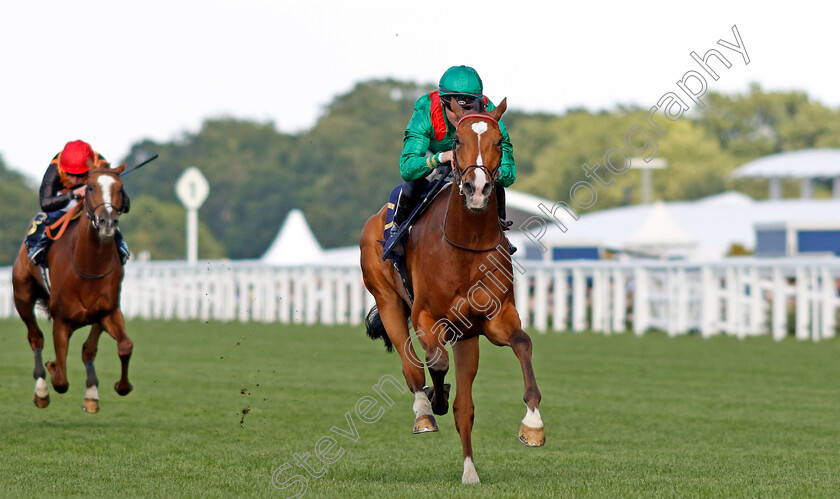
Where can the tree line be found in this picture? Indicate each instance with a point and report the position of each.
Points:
(341, 170)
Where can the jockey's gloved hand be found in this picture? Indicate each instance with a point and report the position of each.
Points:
(443, 170)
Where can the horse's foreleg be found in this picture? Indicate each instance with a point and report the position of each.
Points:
(532, 431)
(115, 325)
(89, 349)
(466, 366)
(58, 368)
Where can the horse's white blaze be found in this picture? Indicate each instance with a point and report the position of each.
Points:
(478, 200)
(479, 128)
(532, 419)
(41, 388)
(92, 393)
(470, 475)
(105, 182)
(422, 406)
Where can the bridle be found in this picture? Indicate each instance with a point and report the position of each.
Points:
(95, 220)
(459, 174)
(91, 212)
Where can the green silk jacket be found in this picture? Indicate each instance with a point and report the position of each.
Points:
(429, 130)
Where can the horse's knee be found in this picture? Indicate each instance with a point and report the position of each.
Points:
(438, 361)
(125, 347)
(520, 342)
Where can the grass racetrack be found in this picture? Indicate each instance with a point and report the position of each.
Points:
(216, 408)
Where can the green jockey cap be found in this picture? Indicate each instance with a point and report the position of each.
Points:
(461, 80)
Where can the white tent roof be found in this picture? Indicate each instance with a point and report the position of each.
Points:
(716, 222)
(295, 243)
(659, 229)
(805, 163)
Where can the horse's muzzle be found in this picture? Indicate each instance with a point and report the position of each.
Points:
(476, 200)
(107, 225)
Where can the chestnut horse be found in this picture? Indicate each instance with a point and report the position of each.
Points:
(83, 289)
(461, 274)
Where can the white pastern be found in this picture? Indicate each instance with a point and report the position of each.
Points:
(105, 182)
(422, 406)
(532, 419)
(470, 475)
(41, 388)
(92, 393)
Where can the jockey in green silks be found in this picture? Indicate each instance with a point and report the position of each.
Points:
(427, 144)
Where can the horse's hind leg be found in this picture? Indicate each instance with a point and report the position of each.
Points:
(25, 305)
(89, 349)
(115, 325)
(466, 366)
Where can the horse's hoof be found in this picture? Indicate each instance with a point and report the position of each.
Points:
(532, 437)
(424, 424)
(61, 388)
(41, 403)
(50, 365)
(90, 405)
(123, 391)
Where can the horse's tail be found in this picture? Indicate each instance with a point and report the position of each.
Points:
(375, 328)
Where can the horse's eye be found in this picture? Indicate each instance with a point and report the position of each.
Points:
(89, 188)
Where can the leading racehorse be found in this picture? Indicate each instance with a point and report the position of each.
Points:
(462, 276)
(83, 289)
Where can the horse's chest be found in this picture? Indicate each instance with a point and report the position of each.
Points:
(84, 306)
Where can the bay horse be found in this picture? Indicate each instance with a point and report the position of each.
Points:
(458, 264)
(83, 289)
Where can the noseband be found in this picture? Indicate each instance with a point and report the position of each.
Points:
(458, 173)
(91, 212)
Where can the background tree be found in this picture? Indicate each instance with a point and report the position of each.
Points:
(157, 227)
(18, 204)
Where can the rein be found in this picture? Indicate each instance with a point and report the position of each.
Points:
(62, 222)
(81, 272)
(458, 175)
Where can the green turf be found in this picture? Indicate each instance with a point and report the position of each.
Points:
(625, 417)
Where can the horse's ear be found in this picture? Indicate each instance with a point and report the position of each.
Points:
(91, 165)
(500, 110)
(454, 112)
(120, 168)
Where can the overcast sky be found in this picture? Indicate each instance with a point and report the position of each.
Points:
(113, 73)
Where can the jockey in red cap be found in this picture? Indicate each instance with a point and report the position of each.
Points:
(62, 188)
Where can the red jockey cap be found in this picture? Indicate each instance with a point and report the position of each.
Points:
(75, 156)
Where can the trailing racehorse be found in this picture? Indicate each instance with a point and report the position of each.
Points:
(83, 289)
(461, 273)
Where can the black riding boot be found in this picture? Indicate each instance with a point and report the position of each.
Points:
(36, 239)
(122, 248)
(409, 196)
(503, 221)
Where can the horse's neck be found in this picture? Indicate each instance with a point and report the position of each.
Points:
(463, 227)
(89, 250)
